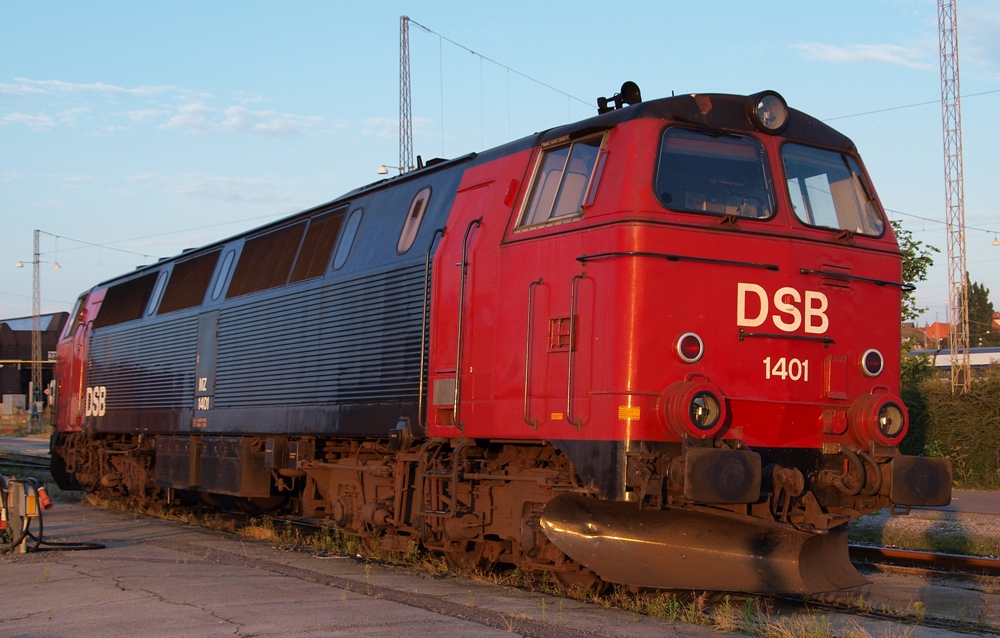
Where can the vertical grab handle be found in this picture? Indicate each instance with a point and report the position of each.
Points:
(461, 320)
(423, 329)
(578, 423)
(527, 360)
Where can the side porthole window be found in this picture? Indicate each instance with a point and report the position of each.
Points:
(413, 218)
(220, 283)
(347, 239)
(154, 299)
(561, 182)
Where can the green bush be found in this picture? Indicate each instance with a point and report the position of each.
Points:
(964, 428)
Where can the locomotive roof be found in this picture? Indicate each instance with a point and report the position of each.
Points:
(708, 110)
(717, 111)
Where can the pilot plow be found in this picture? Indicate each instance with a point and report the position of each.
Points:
(692, 549)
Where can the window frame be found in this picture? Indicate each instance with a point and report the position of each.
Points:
(324, 217)
(181, 269)
(412, 223)
(157, 295)
(228, 260)
(76, 315)
(359, 213)
(766, 172)
(861, 175)
(299, 224)
(586, 200)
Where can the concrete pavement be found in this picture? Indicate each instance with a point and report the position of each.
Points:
(163, 578)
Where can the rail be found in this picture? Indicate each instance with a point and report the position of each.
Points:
(952, 563)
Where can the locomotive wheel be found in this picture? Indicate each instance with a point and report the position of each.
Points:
(466, 555)
(581, 580)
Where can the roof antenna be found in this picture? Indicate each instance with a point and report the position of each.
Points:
(628, 95)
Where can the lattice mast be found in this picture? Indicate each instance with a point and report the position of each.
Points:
(36, 326)
(951, 117)
(405, 106)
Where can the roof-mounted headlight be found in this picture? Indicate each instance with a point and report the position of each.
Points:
(767, 111)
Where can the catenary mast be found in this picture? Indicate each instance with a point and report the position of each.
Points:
(36, 327)
(405, 111)
(951, 116)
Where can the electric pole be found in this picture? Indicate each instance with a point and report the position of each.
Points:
(405, 112)
(951, 117)
(36, 326)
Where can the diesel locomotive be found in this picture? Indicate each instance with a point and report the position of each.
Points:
(657, 347)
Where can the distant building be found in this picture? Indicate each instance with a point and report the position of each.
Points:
(979, 358)
(935, 333)
(15, 350)
(914, 336)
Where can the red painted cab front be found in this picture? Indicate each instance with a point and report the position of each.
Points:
(634, 288)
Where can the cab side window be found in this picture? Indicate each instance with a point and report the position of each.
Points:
(561, 182)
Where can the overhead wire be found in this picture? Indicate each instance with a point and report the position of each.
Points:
(500, 64)
(906, 106)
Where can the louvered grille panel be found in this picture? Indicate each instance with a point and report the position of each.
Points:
(348, 341)
(146, 366)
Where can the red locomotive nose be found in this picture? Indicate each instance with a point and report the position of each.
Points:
(694, 407)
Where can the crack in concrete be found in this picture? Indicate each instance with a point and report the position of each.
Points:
(117, 580)
(162, 599)
(518, 625)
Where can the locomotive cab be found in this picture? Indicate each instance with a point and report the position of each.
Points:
(700, 308)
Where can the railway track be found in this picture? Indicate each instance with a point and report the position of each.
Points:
(25, 461)
(950, 563)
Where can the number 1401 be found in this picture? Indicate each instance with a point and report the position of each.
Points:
(783, 368)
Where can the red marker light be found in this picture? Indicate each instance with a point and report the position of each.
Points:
(872, 362)
(690, 347)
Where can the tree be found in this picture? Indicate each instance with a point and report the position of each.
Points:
(917, 258)
(981, 331)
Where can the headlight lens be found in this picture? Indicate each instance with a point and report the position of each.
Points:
(891, 420)
(768, 111)
(704, 410)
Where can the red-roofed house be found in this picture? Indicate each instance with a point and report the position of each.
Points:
(936, 332)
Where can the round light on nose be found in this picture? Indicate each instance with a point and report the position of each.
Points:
(891, 420)
(878, 418)
(690, 347)
(872, 362)
(694, 407)
(704, 410)
(768, 111)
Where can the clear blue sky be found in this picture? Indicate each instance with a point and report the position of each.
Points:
(154, 127)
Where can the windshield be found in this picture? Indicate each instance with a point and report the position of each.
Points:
(826, 189)
(725, 174)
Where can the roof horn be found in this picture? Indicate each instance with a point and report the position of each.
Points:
(629, 95)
